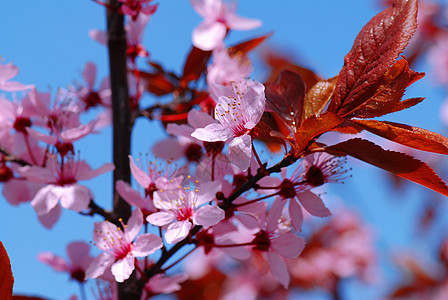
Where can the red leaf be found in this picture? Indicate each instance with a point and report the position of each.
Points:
(376, 47)
(285, 97)
(387, 98)
(410, 136)
(398, 163)
(280, 61)
(246, 46)
(317, 98)
(195, 65)
(6, 278)
(313, 127)
(157, 83)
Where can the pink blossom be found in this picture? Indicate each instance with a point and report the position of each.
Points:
(314, 171)
(276, 241)
(61, 179)
(218, 18)
(88, 95)
(183, 207)
(240, 107)
(79, 256)
(119, 247)
(133, 8)
(134, 33)
(226, 68)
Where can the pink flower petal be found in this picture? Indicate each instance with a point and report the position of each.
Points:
(57, 263)
(134, 225)
(8, 71)
(161, 284)
(49, 139)
(288, 245)
(45, 200)
(213, 133)
(89, 74)
(296, 214)
(36, 174)
(208, 215)
(278, 268)
(177, 231)
(123, 268)
(169, 149)
(74, 197)
(180, 130)
(99, 36)
(99, 265)
(274, 214)
(73, 134)
(79, 254)
(130, 195)
(199, 119)
(313, 204)
(208, 35)
(207, 192)
(140, 176)
(160, 218)
(240, 151)
(87, 174)
(146, 244)
(49, 219)
(236, 22)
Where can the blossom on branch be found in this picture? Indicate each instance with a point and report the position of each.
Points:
(181, 208)
(219, 17)
(240, 107)
(120, 249)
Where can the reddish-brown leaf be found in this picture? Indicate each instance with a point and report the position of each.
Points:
(6, 278)
(376, 47)
(410, 136)
(285, 96)
(157, 83)
(271, 122)
(280, 61)
(195, 65)
(387, 98)
(398, 163)
(317, 98)
(313, 127)
(246, 46)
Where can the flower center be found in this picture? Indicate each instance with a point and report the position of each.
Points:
(314, 176)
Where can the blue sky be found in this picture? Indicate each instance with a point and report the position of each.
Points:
(48, 41)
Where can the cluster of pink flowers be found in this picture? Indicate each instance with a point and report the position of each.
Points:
(221, 199)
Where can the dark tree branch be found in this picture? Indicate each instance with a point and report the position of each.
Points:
(121, 115)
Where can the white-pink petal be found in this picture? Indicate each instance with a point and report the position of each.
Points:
(146, 244)
(134, 225)
(278, 268)
(236, 22)
(57, 263)
(177, 231)
(140, 176)
(89, 74)
(49, 139)
(45, 200)
(288, 245)
(209, 35)
(296, 214)
(161, 218)
(313, 204)
(130, 195)
(99, 36)
(213, 133)
(123, 268)
(240, 151)
(49, 219)
(87, 173)
(74, 197)
(207, 192)
(8, 71)
(99, 264)
(208, 215)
